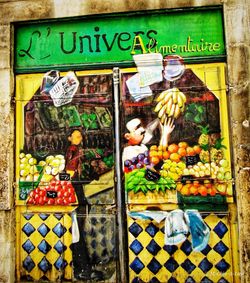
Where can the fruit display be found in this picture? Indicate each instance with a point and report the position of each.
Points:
(104, 117)
(52, 166)
(28, 169)
(170, 104)
(55, 193)
(204, 188)
(137, 181)
(89, 121)
(137, 162)
(172, 169)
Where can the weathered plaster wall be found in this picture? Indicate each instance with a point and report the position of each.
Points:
(237, 38)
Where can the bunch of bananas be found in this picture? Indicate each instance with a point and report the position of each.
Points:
(171, 103)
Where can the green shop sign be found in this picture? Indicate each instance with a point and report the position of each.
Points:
(113, 39)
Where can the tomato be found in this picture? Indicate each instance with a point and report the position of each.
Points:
(45, 199)
(72, 198)
(30, 201)
(42, 193)
(36, 197)
(71, 190)
(66, 194)
(58, 182)
(53, 183)
(51, 201)
(66, 201)
(36, 191)
(59, 201)
(41, 201)
(57, 188)
(31, 194)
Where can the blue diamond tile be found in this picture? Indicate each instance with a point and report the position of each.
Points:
(28, 264)
(60, 247)
(220, 229)
(221, 248)
(93, 244)
(104, 253)
(206, 280)
(28, 216)
(222, 280)
(44, 265)
(60, 263)
(58, 216)
(135, 229)
(188, 266)
(103, 230)
(172, 280)
(28, 229)
(93, 220)
(205, 265)
(154, 280)
(103, 220)
(136, 265)
(43, 229)
(190, 280)
(43, 216)
(222, 266)
(103, 242)
(136, 247)
(171, 264)
(154, 266)
(153, 247)
(136, 280)
(206, 250)
(59, 230)
(171, 249)
(152, 229)
(44, 247)
(186, 247)
(28, 246)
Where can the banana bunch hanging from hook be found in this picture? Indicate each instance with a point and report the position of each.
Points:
(171, 103)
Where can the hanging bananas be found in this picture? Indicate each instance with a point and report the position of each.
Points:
(171, 103)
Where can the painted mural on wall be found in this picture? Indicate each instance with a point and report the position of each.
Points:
(174, 137)
(65, 170)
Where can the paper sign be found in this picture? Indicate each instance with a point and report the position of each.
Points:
(64, 90)
(135, 90)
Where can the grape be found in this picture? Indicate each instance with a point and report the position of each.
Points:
(146, 153)
(139, 165)
(134, 160)
(141, 156)
(146, 161)
(131, 167)
(127, 163)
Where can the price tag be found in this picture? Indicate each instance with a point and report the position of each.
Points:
(191, 160)
(51, 194)
(152, 175)
(64, 176)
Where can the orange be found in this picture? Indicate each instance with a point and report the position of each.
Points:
(193, 190)
(182, 151)
(197, 149)
(155, 160)
(162, 147)
(183, 144)
(185, 190)
(190, 151)
(153, 153)
(165, 155)
(174, 157)
(179, 186)
(202, 190)
(159, 154)
(172, 148)
(153, 147)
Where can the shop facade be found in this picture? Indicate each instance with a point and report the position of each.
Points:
(125, 164)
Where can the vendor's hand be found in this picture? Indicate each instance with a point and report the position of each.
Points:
(166, 129)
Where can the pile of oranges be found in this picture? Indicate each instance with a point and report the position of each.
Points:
(174, 152)
(196, 188)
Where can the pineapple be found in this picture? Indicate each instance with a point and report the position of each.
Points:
(204, 137)
(216, 152)
(204, 144)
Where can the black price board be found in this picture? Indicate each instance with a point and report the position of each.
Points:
(191, 160)
(51, 194)
(64, 176)
(185, 178)
(152, 175)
